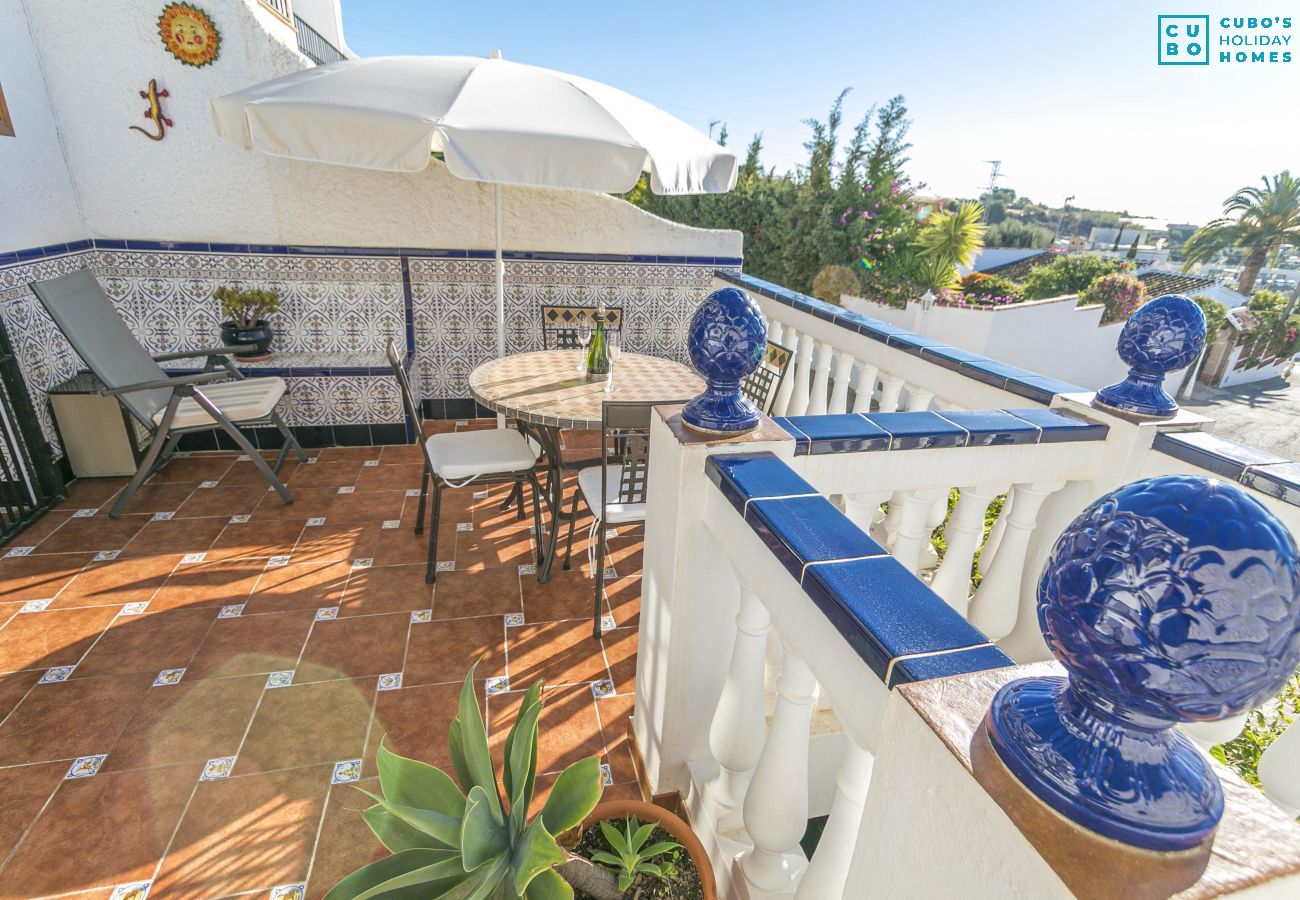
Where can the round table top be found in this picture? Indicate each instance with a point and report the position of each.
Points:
(545, 387)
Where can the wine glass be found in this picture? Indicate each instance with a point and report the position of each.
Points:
(615, 345)
(584, 331)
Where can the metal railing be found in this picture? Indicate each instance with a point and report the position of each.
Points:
(281, 8)
(315, 47)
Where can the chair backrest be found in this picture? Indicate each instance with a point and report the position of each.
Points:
(560, 324)
(764, 383)
(625, 438)
(404, 385)
(85, 315)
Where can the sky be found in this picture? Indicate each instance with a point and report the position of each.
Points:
(1068, 96)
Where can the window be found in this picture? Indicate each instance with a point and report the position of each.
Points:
(6, 124)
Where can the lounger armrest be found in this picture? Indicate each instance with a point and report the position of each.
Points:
(211, 351)
(179, 381)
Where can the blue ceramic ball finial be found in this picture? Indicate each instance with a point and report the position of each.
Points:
(1171, 599)
(1163, 336)
(726, 341)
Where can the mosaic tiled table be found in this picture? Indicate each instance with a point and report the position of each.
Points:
(545, 392)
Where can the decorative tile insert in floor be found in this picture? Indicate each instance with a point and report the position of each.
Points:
(192, 693)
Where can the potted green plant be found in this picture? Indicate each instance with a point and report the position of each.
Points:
(464, 836)
(247, 319)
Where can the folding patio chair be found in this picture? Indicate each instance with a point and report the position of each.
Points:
(169, 407)
(764, 383)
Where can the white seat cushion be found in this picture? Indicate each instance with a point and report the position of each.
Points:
(615, 513)
(466, 454)
(240, 401)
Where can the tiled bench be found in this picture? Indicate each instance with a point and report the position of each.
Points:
(900, 628)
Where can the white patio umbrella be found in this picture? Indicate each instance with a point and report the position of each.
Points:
(494, 121)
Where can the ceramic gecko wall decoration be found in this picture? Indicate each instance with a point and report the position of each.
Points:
(154, 113)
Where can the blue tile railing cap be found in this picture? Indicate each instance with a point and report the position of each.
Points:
(804, 532)
(744, 477)
(1213, 453)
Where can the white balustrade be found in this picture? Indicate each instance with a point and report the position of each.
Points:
(995, 533)
(736, 734)
(864, 387)
(863, 509)
(776, 804)
(1279, 770)
(962, 538)
(791, 338)
(839, 402)
(801, 385)
(996, 603)
(828, 871)
(891, 388)
(914, 513)
(821, 380)
(918, 399)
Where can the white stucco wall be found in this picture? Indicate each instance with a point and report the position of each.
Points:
(194, 186)
(38, 203)
(1052, 337)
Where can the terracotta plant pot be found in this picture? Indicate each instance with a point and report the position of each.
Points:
(609, 810)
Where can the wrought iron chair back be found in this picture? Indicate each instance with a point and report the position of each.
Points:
(560, 324)
(764, 383)
(625, 429)
(413, 410)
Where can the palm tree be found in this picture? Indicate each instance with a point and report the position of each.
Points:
(948, 241)
(1256, 220)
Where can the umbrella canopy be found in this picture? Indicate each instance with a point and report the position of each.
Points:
(494, 120)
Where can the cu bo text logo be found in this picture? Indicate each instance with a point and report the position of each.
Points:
(1183, 40)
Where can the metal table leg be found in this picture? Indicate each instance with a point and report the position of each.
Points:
(550, 440)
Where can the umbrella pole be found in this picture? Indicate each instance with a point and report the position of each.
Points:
(501, 292)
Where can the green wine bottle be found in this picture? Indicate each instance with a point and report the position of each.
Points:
(598, 350)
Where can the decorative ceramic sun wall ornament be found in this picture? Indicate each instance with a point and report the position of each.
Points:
(188, 33)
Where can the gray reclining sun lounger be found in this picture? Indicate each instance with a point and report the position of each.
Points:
(168, 407)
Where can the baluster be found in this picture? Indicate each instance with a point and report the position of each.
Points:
(828, 870)
(863, 508)
(781, 406)
(912, 533)
(774, 331)
(962, 536)
(1279, 770)
(864, 387)
(799, 398)
(888, 528)
(994, 607)
(890, 387)
(821, 380)
(995, 533)
(918, 399)
(776, 804)
(839, 402)
(736, 734)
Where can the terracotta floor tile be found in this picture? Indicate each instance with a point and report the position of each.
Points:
(367, 506)
(257, 539)
(251, 644)
(23, 792)
(336, 542)
(308, 503)
(623, 597)
(620, 650)
(348, 454)
(119, 824)
(346, 843)
(194, 468)
(117, 582)
(625, 555)
(55, 637)
(491, 592)
(13, 688)
(480, 552)
(308, 586)
(175, 536)
(402, 454)
(93, 534)
(305, 724)
(559, 652)
(614, 714)
(86, 493)
(219, 583)
(355, 646)
(568, 595)
(148, 643)
(444, 651)
(223, 500)
(245, 834)
(246, 472)
(402, 546)
(326, 475)
(74, 718)
(155, 498)
(569, 728)
(43, 527)
(390, 477)
(386, 589)
(413, 722)
(190, 722)
(24, 578)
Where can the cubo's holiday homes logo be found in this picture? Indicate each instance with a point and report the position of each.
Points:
(1185, 40)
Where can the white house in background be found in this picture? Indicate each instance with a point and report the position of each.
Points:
(1108, 238)
(990, 258)
(1238, 354)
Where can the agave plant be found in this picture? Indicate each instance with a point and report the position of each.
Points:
(460, 838)
(633, 856)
